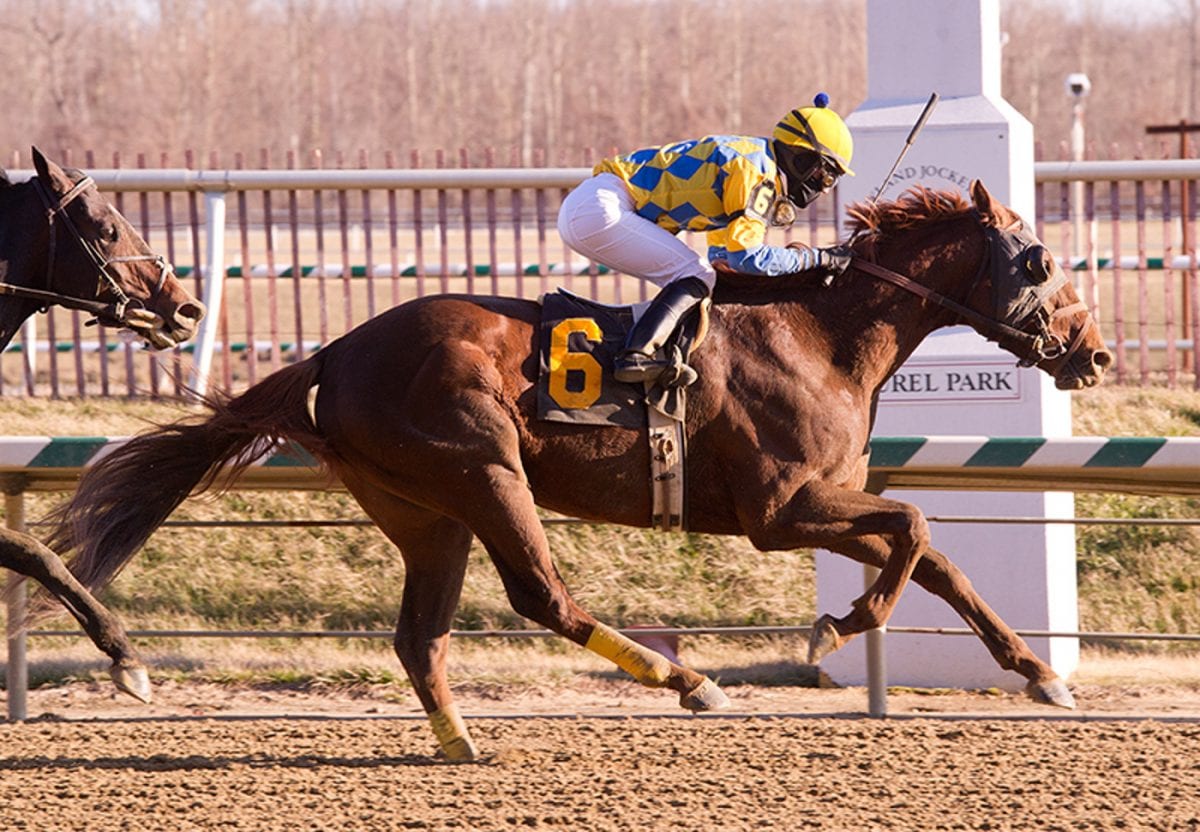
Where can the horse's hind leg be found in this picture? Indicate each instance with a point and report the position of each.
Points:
(435, 550)
(435, 560)
(27, 556)
(512, 533)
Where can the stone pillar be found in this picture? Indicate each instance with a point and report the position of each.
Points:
(956, 382)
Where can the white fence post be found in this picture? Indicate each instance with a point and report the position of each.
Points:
(877, 704)
(214, 286)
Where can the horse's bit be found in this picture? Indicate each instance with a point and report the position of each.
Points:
(109, 313)
(1018, 259)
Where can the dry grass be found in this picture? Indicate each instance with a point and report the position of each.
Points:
(1105, 667)
(1138, 578)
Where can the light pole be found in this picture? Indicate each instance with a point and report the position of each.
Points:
(1078, 86)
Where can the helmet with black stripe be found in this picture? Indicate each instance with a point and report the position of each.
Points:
(813, 148)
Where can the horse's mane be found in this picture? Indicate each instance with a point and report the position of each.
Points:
(870, 223)
(4, 180)
(915, 206)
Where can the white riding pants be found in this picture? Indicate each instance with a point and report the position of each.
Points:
(599, 221)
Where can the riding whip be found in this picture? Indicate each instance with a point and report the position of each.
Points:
(912, 136)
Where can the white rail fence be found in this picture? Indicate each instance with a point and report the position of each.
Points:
(289, 259)
(1137, 465)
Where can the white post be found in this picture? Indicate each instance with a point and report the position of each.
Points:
(17, 669)
(876, 658)
(214, 286)
(956, 382)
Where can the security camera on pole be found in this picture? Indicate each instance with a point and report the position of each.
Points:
(957, 383)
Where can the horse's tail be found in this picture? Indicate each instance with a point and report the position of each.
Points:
(128, 494)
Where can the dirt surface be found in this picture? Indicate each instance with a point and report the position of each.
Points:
(601, 755)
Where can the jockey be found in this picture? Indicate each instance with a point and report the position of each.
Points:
(627, 215)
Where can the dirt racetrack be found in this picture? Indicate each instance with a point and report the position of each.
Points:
(607, 758)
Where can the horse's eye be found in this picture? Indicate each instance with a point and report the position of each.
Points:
(111, 234)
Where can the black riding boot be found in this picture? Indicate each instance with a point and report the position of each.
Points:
(637, 363)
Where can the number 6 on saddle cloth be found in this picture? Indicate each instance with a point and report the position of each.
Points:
(578, 341)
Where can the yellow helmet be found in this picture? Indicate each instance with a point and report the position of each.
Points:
(820, 129)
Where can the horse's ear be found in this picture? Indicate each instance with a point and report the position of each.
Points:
(40, 163)
(985, 203)
(52, 175)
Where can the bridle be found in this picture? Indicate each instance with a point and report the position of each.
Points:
(114, 313)
(1031, 347)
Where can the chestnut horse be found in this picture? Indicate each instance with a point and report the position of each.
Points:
(427, 414)
(62, 243)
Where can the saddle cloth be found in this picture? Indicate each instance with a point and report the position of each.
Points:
(577, 342)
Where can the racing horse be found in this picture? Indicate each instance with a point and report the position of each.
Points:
(63, 244)
(427, 415)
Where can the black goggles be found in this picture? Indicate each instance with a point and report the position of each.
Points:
(808, 175)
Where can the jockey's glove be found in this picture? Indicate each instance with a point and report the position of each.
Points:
(831, 262)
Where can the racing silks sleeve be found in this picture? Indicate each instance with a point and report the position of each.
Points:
(747, 199)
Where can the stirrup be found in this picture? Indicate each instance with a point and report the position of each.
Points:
(637, 368)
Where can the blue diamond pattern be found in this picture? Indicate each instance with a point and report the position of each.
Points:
(682, 213)
(721, 154)
(759, 158)
(651, 211)
(646, 178)
(685, 167)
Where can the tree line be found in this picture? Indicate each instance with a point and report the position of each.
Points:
(555, 81)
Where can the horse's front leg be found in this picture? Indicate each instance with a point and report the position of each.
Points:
(28, 556)
(936, 574)
(827, 516)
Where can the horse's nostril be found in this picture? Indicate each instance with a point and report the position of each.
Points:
(1102, 359)
(190, 313)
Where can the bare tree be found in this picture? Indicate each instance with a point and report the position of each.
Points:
(394, 75)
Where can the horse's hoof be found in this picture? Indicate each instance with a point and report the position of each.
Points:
(460, 750)
(823, 640)
(706, 696)
(132, 680)
(1051, 692)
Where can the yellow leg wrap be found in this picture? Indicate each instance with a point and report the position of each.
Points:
(642, 663)
(452, 734)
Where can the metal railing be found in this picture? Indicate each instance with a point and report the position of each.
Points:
(289, 259)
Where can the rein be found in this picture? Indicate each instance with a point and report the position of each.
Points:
(1035, 347)
(111, 313)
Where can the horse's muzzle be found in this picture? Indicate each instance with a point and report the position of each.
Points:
(161, 333)
(1083, 370)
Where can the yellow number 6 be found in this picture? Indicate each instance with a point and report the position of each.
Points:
(562, 360)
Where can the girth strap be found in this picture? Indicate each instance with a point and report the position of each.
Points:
(666, 439)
